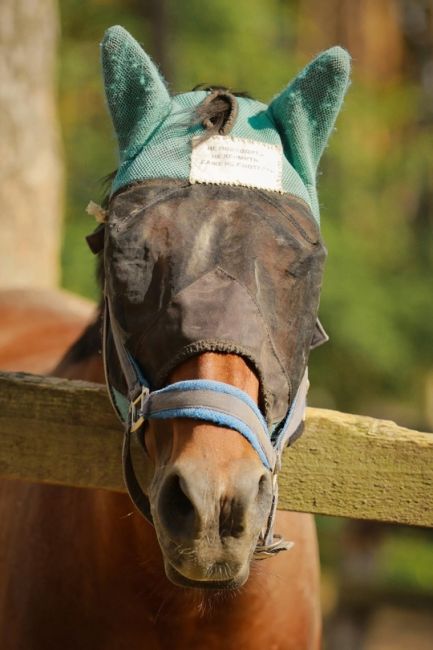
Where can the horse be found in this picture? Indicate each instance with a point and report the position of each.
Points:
(212, 262)
(37, 326)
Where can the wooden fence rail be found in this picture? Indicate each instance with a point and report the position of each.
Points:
(64, 432)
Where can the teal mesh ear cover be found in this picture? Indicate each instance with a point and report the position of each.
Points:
(154, 130)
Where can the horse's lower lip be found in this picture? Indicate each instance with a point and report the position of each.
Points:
(217, 585)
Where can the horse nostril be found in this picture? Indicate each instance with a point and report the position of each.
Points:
(175, 509)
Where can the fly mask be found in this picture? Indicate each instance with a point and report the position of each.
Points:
(212, 243)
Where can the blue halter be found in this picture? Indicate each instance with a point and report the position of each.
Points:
(193, 400)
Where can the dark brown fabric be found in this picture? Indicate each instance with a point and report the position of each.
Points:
(95, 240)
(193, 268)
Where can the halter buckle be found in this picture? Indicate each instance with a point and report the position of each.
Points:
(137, 410)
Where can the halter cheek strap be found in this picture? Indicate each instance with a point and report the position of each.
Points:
(205, 400)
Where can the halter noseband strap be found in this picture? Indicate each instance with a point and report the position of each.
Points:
(210, 401)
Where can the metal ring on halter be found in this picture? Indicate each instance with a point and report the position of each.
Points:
(137, 415)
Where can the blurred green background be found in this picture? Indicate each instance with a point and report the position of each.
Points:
(376, 194)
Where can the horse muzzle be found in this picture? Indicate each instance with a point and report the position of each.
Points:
(208, 522)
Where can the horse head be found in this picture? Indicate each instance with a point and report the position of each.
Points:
(213, 264)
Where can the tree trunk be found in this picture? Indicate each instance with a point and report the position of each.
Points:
(31, 173)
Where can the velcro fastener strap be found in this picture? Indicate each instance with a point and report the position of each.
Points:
(214, 402)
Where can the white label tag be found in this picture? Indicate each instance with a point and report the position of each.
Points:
(227, 160)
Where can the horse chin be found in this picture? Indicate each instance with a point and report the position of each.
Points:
(180, 580)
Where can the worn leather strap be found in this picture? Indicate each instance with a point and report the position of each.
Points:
(135, 491)
(128, 369)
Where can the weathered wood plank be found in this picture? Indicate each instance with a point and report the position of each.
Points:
(64, 432)
(360, 467)
(58, 431)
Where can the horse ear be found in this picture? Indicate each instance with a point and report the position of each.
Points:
(305, 112)
(136, 93)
